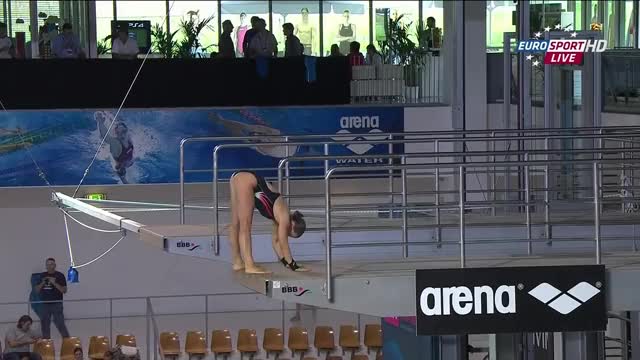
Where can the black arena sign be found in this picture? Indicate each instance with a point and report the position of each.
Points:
(510, 300)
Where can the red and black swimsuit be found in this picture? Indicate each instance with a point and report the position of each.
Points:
(264, 198)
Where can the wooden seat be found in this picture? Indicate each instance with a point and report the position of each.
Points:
(126, 340)
(360, 357)
(373, 337)
(298, 341)
(45, 349)
(196, 343)
(349, 338)
(273, 341)
(324, 339)
(247, 342)
(221, 343)
(333, 357)
(170, 344)
(98, 345)
(69, 345)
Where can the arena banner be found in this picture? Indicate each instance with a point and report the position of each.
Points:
(142, 146)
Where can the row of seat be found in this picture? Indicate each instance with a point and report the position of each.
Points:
(98, 345)
(273, 341)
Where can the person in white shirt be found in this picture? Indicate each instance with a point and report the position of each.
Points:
(373, 56)
(123, 46)
(6, 45)
(263, 44)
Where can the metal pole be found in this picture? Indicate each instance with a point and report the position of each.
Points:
(547, 214)
(437, 188)
(327, 201)
(493, 174)
(182, 215)
(282, 317)
(596, 209)
(206, 315)
(326, 162)
(527, 195)
(390, 162)
(405, 225)
(461, 200)
(286, 170)
(148, 330)
(110, 321)
(216, 216)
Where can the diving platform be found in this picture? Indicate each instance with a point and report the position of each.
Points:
(388, 288)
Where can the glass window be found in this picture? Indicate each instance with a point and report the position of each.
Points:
(434, 9)
(630, 26)
(407, 11)
(344, 22)
(20, 18)
(240, 13)
(196, 11)
(152, 10)
(610, 24)
(305, 17)
(104, 15)
(500, 19)
(3, 14)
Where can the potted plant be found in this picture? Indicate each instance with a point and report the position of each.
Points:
(188, 47)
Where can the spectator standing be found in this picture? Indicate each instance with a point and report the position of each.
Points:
(52, 287)
(123, 46)
(263, 43)
(292, 44)
(6, 44)
(434, 34)
(66, 45)
(19, 339)
(373, 56)
(246, 41)
(225, 45)
(355, 57)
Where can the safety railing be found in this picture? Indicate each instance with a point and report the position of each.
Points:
(436, 156)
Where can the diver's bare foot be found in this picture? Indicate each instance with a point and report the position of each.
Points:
(255, 269)
(238, 267)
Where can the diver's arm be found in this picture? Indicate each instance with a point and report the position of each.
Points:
(275, 243)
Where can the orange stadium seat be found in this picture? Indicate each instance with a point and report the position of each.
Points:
(170, 344)
(373, 337)
(349, 338)
(126, 340)
(247, 342)
(98, 345)
(68, 346)
(221, 343)
(298, 341)
(196, 343)
(273, 341)
(45, 349)
(324, 339)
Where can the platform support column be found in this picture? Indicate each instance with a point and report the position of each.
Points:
(453, 347)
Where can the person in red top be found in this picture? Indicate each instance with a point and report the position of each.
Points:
(355, 57)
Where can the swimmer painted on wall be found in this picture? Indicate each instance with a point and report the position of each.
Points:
(119, 140)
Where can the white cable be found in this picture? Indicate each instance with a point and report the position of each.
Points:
(88, 226)
(66, 229)
(103, 254)
(144, 60)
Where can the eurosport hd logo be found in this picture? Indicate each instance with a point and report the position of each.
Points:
(520, 299)
(568, 51)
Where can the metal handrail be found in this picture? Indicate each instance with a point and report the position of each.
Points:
(390, 156)
(461, 188)
(391, 135)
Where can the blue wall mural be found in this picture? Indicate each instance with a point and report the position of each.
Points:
(142, 145)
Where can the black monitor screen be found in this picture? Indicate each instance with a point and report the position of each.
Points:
(138, 30)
